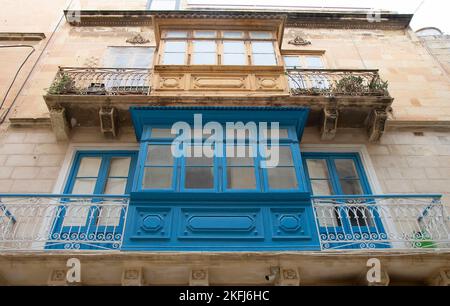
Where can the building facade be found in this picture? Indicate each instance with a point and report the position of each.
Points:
(352, 106)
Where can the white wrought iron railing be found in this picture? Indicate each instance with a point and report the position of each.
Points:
(49, 222)
(386, 221)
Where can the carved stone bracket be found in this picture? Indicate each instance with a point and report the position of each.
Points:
(138, 39)
(289, 276)
(132, 277)
(377, 124)
(59, 122)
(108, 120)
(57, 277)
(442, 279)
(199, 277)
(299, 41)
(328, 126)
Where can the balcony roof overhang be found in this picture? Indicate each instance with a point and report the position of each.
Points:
(314, 19)
(168, 115)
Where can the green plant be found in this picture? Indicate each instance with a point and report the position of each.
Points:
(352, 85)
(377, 85)
(63, 84)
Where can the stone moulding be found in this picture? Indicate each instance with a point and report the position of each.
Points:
(137, 39)
(299, 41)
(15, 36)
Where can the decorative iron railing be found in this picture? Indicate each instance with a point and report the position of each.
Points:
(329, 82)
(101, 81)
(398, 221)
(37, 222)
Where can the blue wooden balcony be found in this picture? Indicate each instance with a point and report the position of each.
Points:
(97, 222)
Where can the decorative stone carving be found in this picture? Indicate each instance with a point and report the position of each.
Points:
(108, 120)
(442, 279)
(138, 39)
(329, 124)
(377, 124)
(289, 276)
(57, 277)
(132, 277)
(199, 277)
(59, 123)
(299, 41)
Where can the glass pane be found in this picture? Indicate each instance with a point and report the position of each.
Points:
(160, 155)
(317, 168)
(173, 58)
(109, 215)
(89, 166)
(292, 62)
(240, 155)
(285, 156)
(205, 34)
(119, 166)
(233, 34)
(264, 59)
(199, 178)
(282, 133)
(175, 46)
(234, 59)
(162, 133)
(204, 46)
(84, 186)
(176, 34)
(241, 178)
(115, 186)
(346, 168)
(76, 215)
(157, 178)
(321, 187)
(351, 187)
(233, 47)
(260, 35)
(163, 5)
(199, 161)
(314, 62)
(204, 58)
(262, 47)
(282, 178)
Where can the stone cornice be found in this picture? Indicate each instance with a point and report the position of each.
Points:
(344, 20)
(16, 36)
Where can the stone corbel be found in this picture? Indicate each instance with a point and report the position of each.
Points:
(60, 124)
(377, 124)
(441, 279)
(57, 277)
(199, 277)
(108, 120)
(289, 276)
(328, 126)
(132, 277)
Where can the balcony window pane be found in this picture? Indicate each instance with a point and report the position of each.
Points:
(89, 167)
(205, 34)
(119, 166)
(260, 35)
(321, 187)
(282, 178)
(115, 186)
(163, 5)
(262, 47)
(159, 155)
(157, 178)
(204, 58)
(199, 178)
(314, 62)
(292, 62)
(84, 186)
(199, 161)
(233, 34)
(351, 187)
(162, 133)
(176, 34)
(204, 46)
(240, 155)
(317, 168)
(175, 46)
(241, 178)
(282, 133)
(173, 58)
(234, 59)
(346, 168)
(264, 59)
(234, 47)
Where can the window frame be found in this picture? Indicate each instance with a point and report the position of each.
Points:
(219, 39)
(150, 2)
